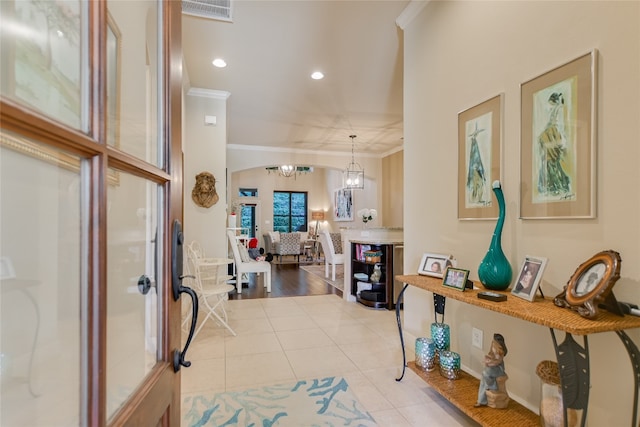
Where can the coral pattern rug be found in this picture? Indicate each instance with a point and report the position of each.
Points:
(318, 402)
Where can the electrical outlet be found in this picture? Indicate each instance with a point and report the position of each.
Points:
(476, 338)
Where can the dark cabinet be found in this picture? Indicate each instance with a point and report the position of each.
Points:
(372, 274)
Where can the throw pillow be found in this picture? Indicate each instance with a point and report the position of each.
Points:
(244, 253)
(275, 236)
(336, 239)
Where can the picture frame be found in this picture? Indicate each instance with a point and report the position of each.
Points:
(434, 265)
(591, 285)
(455, 278)
(479, 159)
(343, 204)
(528, 280)
(557, 142)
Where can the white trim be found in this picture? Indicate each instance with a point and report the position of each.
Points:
(410, 12)
(209, 93)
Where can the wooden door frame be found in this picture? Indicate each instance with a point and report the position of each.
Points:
(151, 398)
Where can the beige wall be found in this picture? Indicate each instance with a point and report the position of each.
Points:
(320, 186)
(392, 194)
(205, 151)
(458, 54)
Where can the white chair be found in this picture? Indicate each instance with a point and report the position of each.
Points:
(246, 265)
(330, 255)
(210, 285)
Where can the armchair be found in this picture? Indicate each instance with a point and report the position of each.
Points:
(289, 244)
(330, 255)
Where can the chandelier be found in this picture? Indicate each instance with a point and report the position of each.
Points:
(289, 171)
(353, 175)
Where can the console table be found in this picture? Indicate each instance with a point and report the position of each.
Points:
(573, 358)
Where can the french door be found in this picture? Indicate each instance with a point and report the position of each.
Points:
(90, 197)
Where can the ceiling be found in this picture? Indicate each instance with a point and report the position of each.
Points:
(271, 49)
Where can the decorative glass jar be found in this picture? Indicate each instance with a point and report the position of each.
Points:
(551, 410)
(425, 354)
(450, 364)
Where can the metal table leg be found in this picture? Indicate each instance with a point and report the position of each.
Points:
(404, 354)
(634, 355)
(573, 363)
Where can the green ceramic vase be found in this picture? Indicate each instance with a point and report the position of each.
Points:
(494, 271)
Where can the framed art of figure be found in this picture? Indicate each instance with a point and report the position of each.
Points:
(591, 285)
(557, 153)
(343, 204)
(529, 278)
(435, 264)
(479, 159)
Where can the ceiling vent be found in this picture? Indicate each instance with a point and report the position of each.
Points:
(212, 9)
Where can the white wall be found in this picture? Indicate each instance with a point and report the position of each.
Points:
(458, 54)
(205, 151)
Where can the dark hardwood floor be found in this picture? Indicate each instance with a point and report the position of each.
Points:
(287, 280)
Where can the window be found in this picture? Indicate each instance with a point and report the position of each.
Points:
(289, 211)
(248, 192)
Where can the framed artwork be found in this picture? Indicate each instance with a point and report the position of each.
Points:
(343, 204)
(455, 278)
(590, 285)
(529, 278)
(557, 152)
(479, 159)
(434, 265)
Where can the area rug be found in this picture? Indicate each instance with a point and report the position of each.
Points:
(319, 402)
(318, 270)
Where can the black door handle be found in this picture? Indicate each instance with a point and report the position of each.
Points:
(176, 283)
(178, 356)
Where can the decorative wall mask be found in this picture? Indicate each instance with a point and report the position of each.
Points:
(204, 192)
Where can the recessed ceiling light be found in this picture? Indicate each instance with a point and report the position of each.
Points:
(219, 62)
(317, 75)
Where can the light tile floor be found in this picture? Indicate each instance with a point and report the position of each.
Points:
(285, 339)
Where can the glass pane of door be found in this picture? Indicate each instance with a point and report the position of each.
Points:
(40, 284)
(133, 73)
(44, 58)
(132, 267)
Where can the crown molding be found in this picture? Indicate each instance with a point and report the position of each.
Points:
(392, 151)
(410, 12)
(209, 93)
(242, 147)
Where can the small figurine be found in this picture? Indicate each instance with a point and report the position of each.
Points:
(493, 390)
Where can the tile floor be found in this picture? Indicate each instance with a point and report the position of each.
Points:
(285, 339)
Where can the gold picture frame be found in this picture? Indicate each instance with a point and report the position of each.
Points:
(479, 159)
(591, 284)
(557, 137)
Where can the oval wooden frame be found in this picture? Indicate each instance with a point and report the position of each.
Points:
(587, 305)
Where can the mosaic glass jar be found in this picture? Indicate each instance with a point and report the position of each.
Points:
(425, 354)
(441, 336)
(450, 365)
